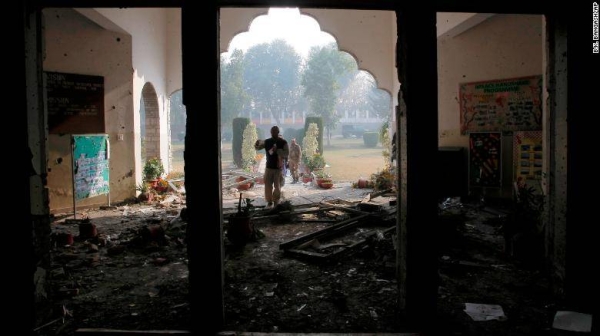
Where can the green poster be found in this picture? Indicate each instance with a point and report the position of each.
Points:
(90, 165)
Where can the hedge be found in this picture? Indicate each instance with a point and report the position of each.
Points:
(238, 127)
(371, 139)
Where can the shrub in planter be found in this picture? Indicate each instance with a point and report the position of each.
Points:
(319, 134)
(153, 169)
(371, 139)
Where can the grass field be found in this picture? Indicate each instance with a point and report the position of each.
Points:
(347, 159)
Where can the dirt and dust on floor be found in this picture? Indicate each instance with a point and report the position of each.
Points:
(323, 261)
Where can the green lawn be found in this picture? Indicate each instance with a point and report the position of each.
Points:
(348, 159)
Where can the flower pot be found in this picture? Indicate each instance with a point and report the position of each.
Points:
(326, 185)
(306, 179)
(363, 183)
(239, 230)
(146, 197)
(153, 183)
(323, 180)
(243, 185)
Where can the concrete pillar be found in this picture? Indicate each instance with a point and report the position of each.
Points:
(36, 196)
(418, 124)
(203, 197)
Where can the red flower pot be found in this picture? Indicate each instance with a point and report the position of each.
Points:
(326, 185)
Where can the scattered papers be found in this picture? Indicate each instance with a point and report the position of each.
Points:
(572, 321)
(484, 312)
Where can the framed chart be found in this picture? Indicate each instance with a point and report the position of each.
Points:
(501, 105)
(485, 153)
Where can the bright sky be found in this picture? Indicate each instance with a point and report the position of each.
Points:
(300, 31)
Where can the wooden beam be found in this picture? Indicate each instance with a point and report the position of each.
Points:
(104, 332)
(327, 232)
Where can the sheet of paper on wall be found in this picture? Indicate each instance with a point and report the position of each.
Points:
(572, 321)
(485, 312)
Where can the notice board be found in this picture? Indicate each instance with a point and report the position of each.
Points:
(75, 103)
(528, 155)
(90, 165)
(501, 105)
(485, 155)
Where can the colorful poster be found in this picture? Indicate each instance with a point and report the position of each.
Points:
(485, 153)
(501, 105)
(90, 165)
(528, 155)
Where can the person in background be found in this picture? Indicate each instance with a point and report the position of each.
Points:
(284, 169)
(294, 159)
(276, 150)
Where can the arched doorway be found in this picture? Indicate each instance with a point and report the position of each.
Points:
(149, 123)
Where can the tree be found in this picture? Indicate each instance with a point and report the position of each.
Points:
(320, 82)
(271, 77)
(234, 98)
(380, 102)
(359, 92)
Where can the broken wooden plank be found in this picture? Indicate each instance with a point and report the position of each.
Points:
(327, 232)
(348, 209)
(317, 220)
(376, 194)
(370, 207)
(344, 250)
(304, 253)
(104, 332)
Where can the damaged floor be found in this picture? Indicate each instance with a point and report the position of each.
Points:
(131, 271)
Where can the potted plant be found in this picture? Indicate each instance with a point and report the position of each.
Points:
(153, 169)
(326, 184)
(240, 228)
(321, 176)
(146, 193)
(161, 186)
(316, 162)
(243, 185)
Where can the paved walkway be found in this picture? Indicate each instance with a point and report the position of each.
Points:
(298, 193)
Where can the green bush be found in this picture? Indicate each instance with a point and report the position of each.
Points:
(371, 139)
(238, 127)
(153, 169)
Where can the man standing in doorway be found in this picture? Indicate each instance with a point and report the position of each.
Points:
(294, 159)
(277, 151)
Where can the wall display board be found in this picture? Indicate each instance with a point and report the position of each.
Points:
(90, 166)
(501, 105)
(485, 153)
(527, 153)
(75, 103)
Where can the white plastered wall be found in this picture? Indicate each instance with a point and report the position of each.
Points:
(503, 46)
(149, 52)
(148, 27)
(75, 45)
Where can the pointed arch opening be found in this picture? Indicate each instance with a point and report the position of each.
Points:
(149, 123)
